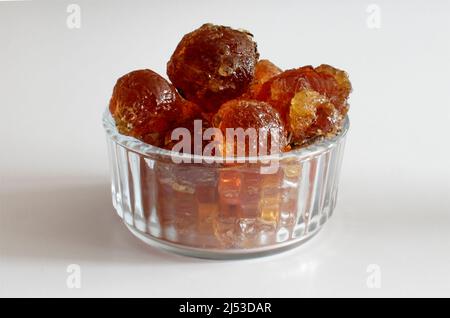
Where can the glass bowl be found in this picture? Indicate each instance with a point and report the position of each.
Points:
(218, 210)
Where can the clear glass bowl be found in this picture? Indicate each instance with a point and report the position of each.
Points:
(221, 210)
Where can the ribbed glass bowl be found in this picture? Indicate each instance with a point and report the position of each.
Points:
(223, 210)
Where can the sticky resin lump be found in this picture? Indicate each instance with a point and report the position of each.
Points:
(264, 71)
(312, 102)
(247, 113)
(339, 98)
(311, 115)
(213, 64)
(144, 105)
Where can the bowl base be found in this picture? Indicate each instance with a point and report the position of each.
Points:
(220, 254)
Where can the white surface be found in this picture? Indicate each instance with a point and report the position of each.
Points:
(394, 203)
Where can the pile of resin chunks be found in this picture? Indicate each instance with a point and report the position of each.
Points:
(217, 77)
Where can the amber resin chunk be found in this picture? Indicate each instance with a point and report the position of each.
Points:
(311, 115)
(145, 106)
(247, 113)
(280, 89)
(264, 71)
(344, 85)
(213, 64)
(311, 101)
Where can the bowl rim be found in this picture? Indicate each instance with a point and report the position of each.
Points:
(147, 150)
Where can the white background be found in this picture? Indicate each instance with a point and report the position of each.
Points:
(394, 201)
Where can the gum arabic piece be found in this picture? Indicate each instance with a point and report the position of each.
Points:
(280, 89)
(264, 71)
(344, 85)
(311, 115)
(145, 105)
(247, 113)
(213, 64)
